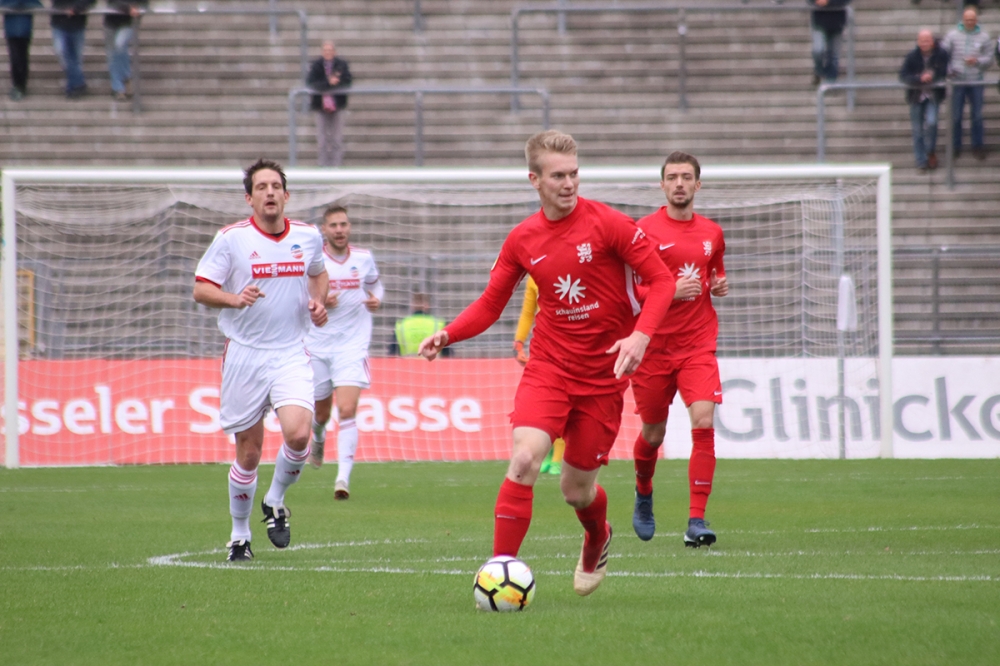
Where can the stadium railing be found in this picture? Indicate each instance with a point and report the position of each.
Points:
(877, 85)
(561, 10)
(273, 13)
(418, 93)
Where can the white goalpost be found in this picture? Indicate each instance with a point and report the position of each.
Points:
(108, 360)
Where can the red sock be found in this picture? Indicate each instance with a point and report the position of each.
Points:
(701, 469)
(512, 517)
(595, 522)
(645, 455)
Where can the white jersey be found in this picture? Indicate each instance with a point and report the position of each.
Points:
(350, 323)
(243, 254)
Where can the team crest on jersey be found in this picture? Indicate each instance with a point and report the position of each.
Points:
(297, 251)
(354, 271)
(708, 248)
(569, 289)
(584, 252)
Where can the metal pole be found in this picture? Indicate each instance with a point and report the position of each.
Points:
(292, 129)
(544, 94)
(418, 129)
(682, 53)
(850, 57)
(8, 260)
(936, 297)
(949, 154)
(303, 45)
(136, 69)
(562, 18)
(515, 17)
(821, 123)
(418, 17)
(273, 4)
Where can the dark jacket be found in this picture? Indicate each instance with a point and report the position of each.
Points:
(827, 19)
(317, 81)
(123, 17)
(19, 26)
(913, 67)
(72, 23)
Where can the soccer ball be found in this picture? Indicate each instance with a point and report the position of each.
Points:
(504, 583)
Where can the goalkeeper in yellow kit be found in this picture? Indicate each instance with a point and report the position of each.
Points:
(553, 461)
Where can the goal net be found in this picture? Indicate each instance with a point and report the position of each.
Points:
(108, 360)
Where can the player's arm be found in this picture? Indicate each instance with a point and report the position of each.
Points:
(374, 289)
(211, 295)
(484, 311)
(527, 320)
(718, 286)
(318, 286)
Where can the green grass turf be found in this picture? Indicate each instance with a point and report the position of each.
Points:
(818, 562)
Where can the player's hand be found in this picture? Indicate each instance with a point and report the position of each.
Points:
(248, 296)
(433, 344)
(331, 299)
(519, 354)
(718, 286)
(317, 313)
(371, 303)
(688, 288)
(630, 352)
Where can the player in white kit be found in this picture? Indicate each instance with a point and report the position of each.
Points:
(266, 275)
(340, 349)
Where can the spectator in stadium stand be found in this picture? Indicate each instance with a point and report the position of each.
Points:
(69, 23)
(118, 35)
(328, 74)
(17, 30)
(411, 330)
(827, 22)
(926, 64)
(589, 335)
(971, 52)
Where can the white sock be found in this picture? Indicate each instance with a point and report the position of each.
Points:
(319, 432)
(347, 445)
(242, 487)
(287, 470)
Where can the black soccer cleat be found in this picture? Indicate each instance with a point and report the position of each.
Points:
(278, 530)
(698, 534)
(239, 551)
(642, 517)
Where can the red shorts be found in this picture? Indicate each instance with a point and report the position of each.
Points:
(657, 380)
(587, 422)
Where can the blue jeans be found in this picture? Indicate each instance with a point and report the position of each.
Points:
(826, 53)
(975, 95)
(117, 42)
(924, 120)
(68, 45)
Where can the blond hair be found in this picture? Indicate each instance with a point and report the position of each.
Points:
(549, 141)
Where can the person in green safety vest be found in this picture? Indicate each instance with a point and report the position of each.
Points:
(412, 329)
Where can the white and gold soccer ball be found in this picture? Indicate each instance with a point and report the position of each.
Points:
(504, 583)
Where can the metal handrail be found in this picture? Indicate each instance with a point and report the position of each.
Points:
(418, 93)
(562, 9)
(273, 13)
(948, 85)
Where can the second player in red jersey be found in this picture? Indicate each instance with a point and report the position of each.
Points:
(583, 256)
(681, 354)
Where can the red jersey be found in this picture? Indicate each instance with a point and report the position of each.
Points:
(691, 248)
(583, 265)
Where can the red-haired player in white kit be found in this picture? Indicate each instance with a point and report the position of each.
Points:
(582, 255)
(266, 275)
(681, 355)
(340, 349)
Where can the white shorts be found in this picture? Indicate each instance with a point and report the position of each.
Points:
(341, 368)
(255, 380)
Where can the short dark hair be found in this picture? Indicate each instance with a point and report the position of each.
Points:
(260, 165)
(334, 208)
(678, 157)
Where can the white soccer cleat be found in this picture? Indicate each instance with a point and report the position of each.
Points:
(316, 455)
(341, 491)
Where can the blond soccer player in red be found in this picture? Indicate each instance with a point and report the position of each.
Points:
(582, 255)
(681, 355)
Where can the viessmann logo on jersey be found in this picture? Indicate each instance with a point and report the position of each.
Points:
(278, 269)
(345, 284)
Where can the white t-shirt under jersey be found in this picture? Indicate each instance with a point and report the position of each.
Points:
(350, 323)
(243, 254)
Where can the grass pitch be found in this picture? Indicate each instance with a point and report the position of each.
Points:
(818, 562)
